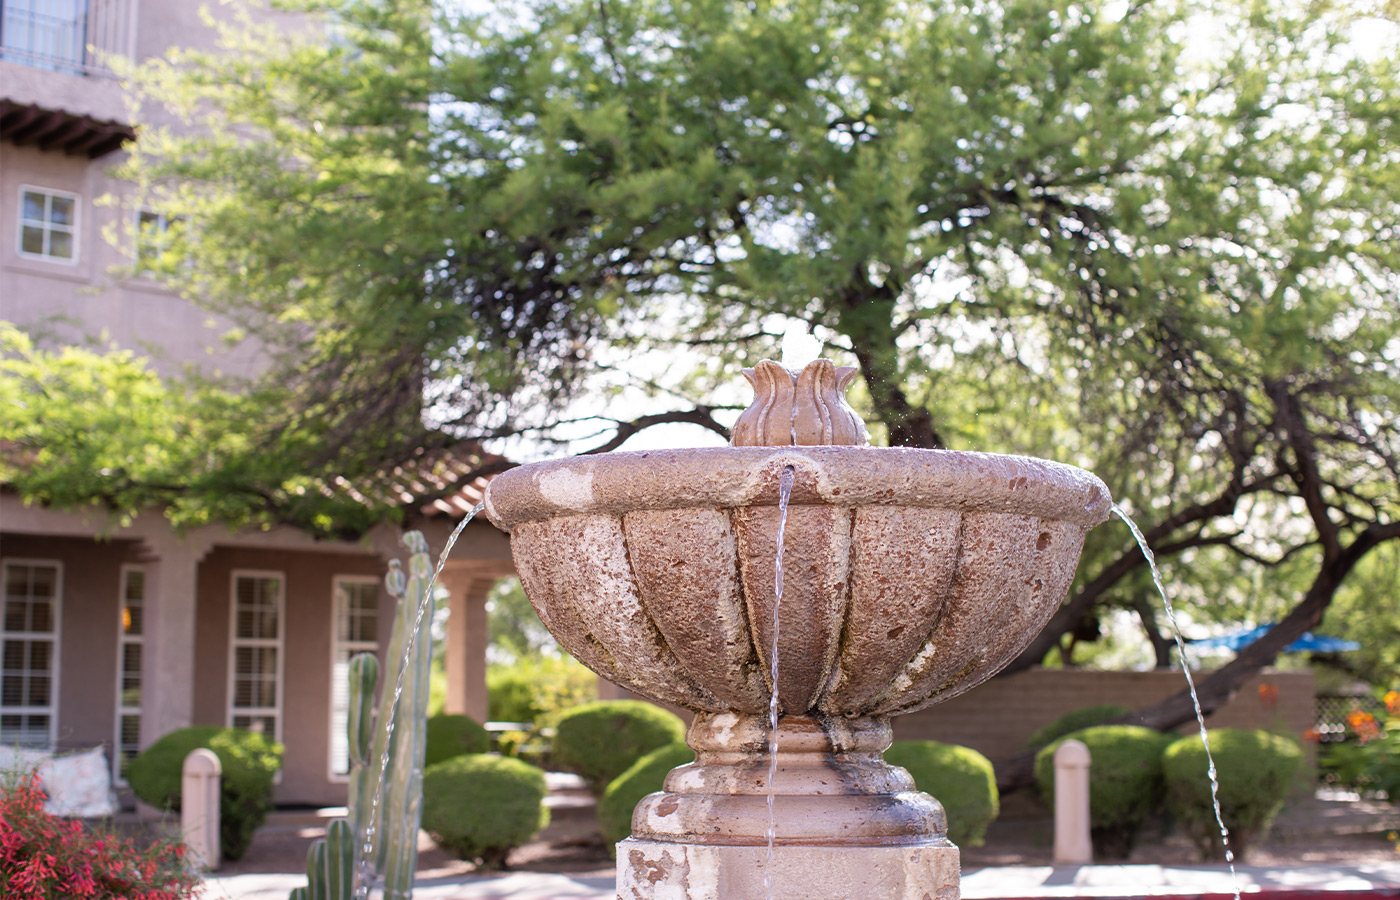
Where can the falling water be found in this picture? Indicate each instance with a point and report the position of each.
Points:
(784, 494)
(1190, 684)
(366, 876)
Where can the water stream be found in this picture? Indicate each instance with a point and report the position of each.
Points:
(1191, 685)
(367, 875)
(785, 482)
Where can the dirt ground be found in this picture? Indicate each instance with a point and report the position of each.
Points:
(1309, 831)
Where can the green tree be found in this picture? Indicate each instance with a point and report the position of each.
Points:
(1091, 231)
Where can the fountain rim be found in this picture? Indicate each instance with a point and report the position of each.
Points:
(627, 481)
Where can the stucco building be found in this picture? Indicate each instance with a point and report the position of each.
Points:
(114, 635)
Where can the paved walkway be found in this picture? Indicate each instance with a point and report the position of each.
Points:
(1342, 882)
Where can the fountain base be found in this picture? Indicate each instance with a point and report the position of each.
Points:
(653, 870)
(845, 822)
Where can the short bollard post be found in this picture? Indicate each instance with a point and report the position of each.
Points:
(1072, 843)
(199, 806)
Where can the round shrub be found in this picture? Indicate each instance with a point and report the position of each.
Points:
(1075, 720)
(1255, 771)
(601, 740)
(958, 777)
(481, 806)
(450, 736)
(1125, 782)
(645, 776)
(248, 763)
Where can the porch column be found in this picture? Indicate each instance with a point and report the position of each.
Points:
(466, 642)
(167, 666)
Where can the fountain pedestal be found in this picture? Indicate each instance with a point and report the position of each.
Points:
(846, 823)
(910, 577)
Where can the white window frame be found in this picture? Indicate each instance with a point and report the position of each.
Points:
(47, 226)
(353, 648)
(279, 643)
(55, 660)
(123, 640)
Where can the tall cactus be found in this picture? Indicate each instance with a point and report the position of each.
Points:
(386, 753)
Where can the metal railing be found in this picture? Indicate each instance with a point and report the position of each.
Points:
(72, 36)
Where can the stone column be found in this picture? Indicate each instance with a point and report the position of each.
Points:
(466, 642)
(167, 670)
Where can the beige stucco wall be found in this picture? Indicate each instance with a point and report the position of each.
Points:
(89, 301)
(996, 718)
(306, 687)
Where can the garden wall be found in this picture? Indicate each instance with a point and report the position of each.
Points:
(997, 717)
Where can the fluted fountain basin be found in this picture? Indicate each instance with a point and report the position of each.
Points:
(910, 575)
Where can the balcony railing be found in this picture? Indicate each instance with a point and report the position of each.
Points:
(71, 36)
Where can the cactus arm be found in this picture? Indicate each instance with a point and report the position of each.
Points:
(340, 860)
(316, 871)
(404, 780)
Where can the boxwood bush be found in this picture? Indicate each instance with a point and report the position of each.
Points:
(450, 736)
(1075, 720)
(958, 777)
(601, 740)
(1125, 782)
(480, 806)
(645, 776)
(1255, 771)
(248, 762)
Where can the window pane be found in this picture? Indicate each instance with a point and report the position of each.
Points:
(40, 655)
(41, 617)
(32, 240)
(12, 690)
(61, 244)
(34, 206)
(16, 615)
(61, 211)
(38, 691)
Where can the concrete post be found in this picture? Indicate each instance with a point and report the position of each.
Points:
(1072, 842)
(167, 675)
(199, 807)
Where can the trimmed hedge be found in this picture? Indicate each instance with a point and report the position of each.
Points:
(960, 778)
(248, 761)
(1125, 782)
(450, 736)
(1075, 720)
(645, 776)
(601, 740)
(479, 807)
(1255, 771)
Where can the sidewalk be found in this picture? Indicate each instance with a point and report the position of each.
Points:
(1003, 883)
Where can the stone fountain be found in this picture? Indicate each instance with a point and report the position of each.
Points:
(910, 576)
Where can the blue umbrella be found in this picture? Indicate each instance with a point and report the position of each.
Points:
(1309, 642)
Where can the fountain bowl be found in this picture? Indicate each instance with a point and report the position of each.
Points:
(910, 575)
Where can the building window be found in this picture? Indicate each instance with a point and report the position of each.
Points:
(255, 677)
(48, 34)
(154, 234)
(131, 643)
(29, 653)
(48, 224)
(355, 630)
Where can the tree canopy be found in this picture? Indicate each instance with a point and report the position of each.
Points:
(1157, 241)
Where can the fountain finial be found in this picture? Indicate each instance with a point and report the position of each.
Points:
(799, 409)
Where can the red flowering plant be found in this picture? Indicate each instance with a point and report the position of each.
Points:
(1369, 761)
(43, 856)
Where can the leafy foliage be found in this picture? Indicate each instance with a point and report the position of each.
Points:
(43, 856)
(453, 735)
(248, 764)
(601, 740)
(958, 777)
(1074, 720)
(1256, 771)
(645, 776)
(1125, 782)
(479, 807)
